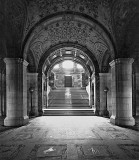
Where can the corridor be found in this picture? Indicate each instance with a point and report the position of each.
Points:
(69, 138)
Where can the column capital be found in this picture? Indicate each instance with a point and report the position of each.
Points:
(15, 61)
(121, 61)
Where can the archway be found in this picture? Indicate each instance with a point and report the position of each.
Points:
(46, 40)
(69, 52)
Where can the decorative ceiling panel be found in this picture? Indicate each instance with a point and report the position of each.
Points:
(73, 31)
(97, 9)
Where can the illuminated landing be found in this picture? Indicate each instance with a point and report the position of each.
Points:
(68, 101)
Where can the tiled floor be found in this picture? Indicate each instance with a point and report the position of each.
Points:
(69, 138)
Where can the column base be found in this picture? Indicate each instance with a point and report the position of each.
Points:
(16, 121)
(127, 121)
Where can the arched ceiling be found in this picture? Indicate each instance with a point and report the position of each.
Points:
(21, 19)
(68, 53)
(100, 10)
(57, 61)
(69, 28)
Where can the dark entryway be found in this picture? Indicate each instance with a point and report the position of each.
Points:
(68, 81)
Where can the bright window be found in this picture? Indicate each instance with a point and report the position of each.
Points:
(56, 66)
(79, 66)
(67, 64)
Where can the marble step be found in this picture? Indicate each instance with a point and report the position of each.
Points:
(68, 112)
(69, 101)
(72, 97)
(69, 107)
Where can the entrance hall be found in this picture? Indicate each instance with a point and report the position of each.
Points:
(69, 79)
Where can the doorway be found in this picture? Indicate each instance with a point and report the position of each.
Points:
(68, 81)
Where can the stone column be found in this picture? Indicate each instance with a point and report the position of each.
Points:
(16, 92)
(121, 88)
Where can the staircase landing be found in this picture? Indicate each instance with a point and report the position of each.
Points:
(68, 101)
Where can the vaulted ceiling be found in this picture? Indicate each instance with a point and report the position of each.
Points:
(106, 28)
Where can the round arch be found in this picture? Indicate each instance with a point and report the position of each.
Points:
(72, 30)
(77, 46)
(69, 29)
(93, 63)
(59, 60)
(66, 14)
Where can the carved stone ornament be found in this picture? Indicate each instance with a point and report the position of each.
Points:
(69, 30)
(97, 9)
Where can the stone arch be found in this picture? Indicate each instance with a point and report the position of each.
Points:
(85, 50)
(69, 28)
(99, 11)
(105, 67)
(32, 65)
(58, 60)
(50, 51)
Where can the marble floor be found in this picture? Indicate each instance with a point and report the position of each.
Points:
(69, 138)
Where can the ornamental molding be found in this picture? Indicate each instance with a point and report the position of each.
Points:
(65, 29)
(96, 9)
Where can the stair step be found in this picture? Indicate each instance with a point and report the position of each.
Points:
(68, 101)
(68, 112)
(68, 98)
(68, 107)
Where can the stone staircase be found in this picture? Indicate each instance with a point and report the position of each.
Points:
(68, 101)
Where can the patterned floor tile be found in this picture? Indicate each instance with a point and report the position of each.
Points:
(97, 152)
(9, 152)
(120, 136)
(75, 133)
(132, 150)
(50, 152)
(22, 136)
(31, 129)
(110, 129)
